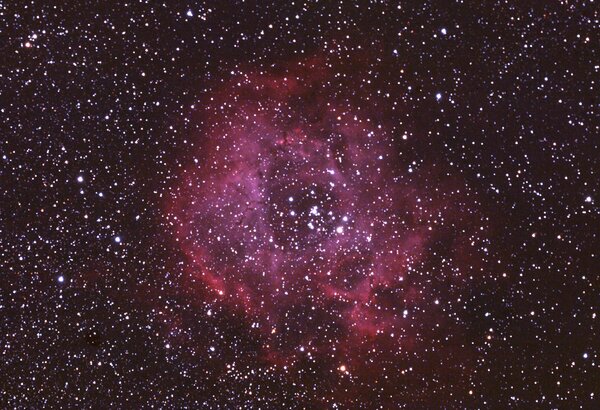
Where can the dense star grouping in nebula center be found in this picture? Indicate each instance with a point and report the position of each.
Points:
(301, 213)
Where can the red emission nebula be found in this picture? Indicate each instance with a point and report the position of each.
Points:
(305, 212)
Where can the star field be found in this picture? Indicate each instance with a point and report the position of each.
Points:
(299, 205)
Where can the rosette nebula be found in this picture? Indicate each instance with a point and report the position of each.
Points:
(305, 214)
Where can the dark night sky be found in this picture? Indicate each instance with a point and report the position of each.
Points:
(316, 204)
